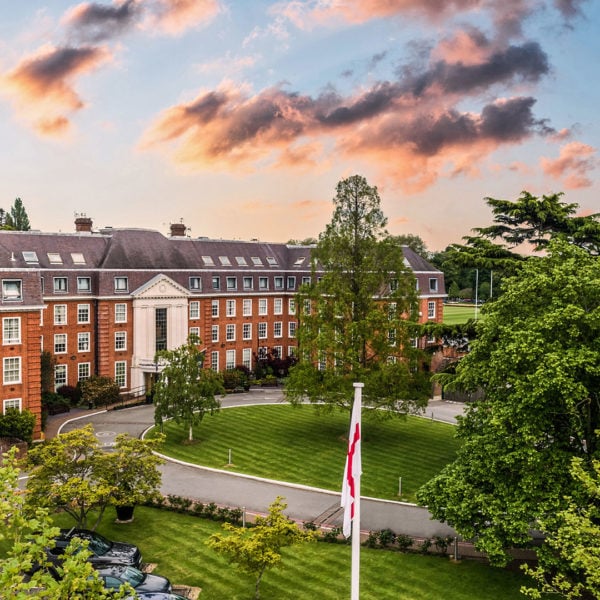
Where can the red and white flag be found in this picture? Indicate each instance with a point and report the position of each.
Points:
(353, 469)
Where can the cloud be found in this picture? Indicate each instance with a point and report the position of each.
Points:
(41, 85)
(176, 16)
(92, 22)
(573, 166)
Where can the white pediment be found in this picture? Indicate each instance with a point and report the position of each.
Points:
(161, 286)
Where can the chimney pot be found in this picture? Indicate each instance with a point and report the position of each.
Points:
(178, 229)
(83, 224)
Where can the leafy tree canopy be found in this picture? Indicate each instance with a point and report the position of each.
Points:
(414, 242)
(186, 391)
(16, 218)
(354, 322)
(537, 359)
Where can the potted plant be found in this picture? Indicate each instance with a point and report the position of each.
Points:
(132, 473)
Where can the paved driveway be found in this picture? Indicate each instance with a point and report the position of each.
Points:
(255, 494)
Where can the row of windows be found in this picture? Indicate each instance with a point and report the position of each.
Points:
(231, 357)
(54, 258)
(247, 307)
(83, 342)
(84, 372)
(83, 313)
(231, 331)
(231, 282)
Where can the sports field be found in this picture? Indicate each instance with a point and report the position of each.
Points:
(459, 313)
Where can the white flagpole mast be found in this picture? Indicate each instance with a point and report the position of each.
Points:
(355, 575)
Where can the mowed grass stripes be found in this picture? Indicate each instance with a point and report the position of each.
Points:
(301, 445)
(176, 543)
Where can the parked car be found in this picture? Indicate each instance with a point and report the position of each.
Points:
(157, 596)
(116, 575)
(104, 551)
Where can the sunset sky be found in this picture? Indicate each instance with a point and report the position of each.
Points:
(239, 117)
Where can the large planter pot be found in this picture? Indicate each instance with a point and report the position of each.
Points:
(124, 514)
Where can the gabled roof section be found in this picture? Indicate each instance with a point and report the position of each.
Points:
(161, 286)
(416, 262)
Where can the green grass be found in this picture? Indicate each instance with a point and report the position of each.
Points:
(455, 314)
(176, 543)
(300, 445)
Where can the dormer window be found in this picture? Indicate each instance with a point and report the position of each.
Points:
(208, 261)
(433, 284)
(11, 289)
(241, 261)
(272, 261)
(54, 258)
(77, 258)
(256, 261)
(60, 285)
(224, 260)
(121, 284)
(30, 257)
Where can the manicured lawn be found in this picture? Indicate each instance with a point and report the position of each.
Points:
(176, 543)
(300, 445)
(459, 313)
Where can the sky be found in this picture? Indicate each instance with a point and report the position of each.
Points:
(238, 118)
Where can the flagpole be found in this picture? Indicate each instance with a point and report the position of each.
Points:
(355, 574)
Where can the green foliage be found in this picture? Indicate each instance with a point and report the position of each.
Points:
(354, 322)
(25, 534)
(454, 290)
(47, 362)
(537, 359)
(570, 565)
(186, 391)
(54, 404)
(72, 473)
(99, 391)
(17, 424)
(17, 218)
(257, 549)
(414, 242)
(71, 393)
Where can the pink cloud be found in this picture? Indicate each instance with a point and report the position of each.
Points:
(176, 16)
(573, 166)
(42, 85)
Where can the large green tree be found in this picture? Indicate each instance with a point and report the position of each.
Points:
(356, 318)
(17, 218)
(186, 391)
(537, 358)
(25, 534)
(257, 549)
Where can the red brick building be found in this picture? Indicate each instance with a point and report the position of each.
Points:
(103, 302)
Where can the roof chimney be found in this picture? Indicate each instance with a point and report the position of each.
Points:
(178, 229)
(83, 224)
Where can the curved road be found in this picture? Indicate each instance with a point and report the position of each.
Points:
(256, 494)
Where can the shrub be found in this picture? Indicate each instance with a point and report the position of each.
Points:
(441, 543)
(404, 542)
(386, 538)
(425, 545)
(98, 391)
(17, 424)
(53, 403)
(71, 393)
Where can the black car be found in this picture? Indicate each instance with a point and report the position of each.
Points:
(157, 596)
(115, 576)
(104, 551)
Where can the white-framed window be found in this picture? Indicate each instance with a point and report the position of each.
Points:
(120, 340)
(84, 284)
(83, 313)
(77, 258)
(216, 282)
(83, 341)
(60, 343)
(60, 376)
(278, 351)
(121, 284)
(11, 330)
(392, 337)
(224, 260)
(11, 372)
(231, 283)
(278, 306)
(262, 330)
(230, 359)
(292, 350)
(214, 360)
(431, 309)
(194, 309)
(306, 280)
(60, 285)
(230, 332)
(247, 358)
(120, 313)
(292, 329)
(121, 373)
(230, 308)
(271, 261)
(256, 261)
(248, 282)
(392, 310)
(393, 285)
(277, 329)
(30, 257)
(322, 364)
(262, 306)
(433, 284)
(241, 261)
(307, 306)
(12, 290)
(278, 283)
(54, 258)
(11, 403)
(195, 332)
(247, 307)
(263, 283)
(195, 283)
(291, 282)
(83, 371)
(214, 308)
(214, 333)
(60, 314)
(247, 331)
(291, 306)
